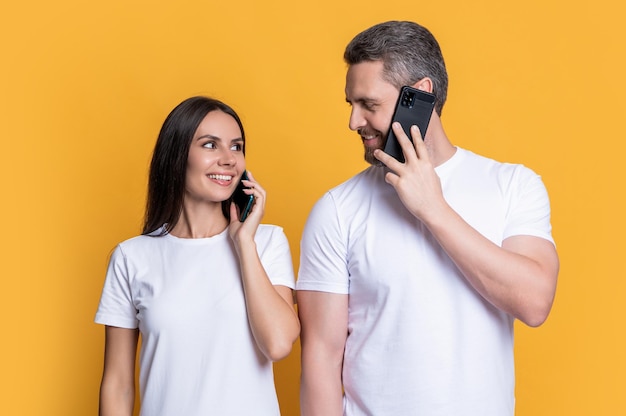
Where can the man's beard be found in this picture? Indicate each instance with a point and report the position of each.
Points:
(368, 150)
(369, 157)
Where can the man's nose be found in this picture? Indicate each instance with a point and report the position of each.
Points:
(356, 118)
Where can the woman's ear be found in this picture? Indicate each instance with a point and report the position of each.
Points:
(424, 84)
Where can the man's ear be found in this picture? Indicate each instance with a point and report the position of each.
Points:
(424, 84)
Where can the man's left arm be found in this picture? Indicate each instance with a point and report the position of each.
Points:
(518, 277)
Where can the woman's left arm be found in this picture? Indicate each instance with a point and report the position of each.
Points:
(271, 313)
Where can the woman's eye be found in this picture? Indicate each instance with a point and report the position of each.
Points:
(236, 147)
(209, 145)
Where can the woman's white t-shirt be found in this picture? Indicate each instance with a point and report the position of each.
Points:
(198, 355)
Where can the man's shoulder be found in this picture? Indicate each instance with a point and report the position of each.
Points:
(473, 161)
(367, 178)
(351, 194)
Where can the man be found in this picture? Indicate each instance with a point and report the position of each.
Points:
(412, 274)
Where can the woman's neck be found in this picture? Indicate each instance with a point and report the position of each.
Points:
(200, 222)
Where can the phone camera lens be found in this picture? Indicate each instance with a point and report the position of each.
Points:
(407, 99)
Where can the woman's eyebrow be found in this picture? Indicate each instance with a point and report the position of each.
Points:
(210, 136)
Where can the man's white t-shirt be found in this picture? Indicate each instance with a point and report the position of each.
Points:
(421, 340)
(198, 355)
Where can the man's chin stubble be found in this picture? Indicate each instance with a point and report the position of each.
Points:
(369, 157)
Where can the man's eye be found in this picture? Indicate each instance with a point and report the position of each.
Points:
(369, 106)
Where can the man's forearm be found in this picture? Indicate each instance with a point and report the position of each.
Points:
(321, 393)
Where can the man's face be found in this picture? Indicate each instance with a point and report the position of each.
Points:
(373, 100)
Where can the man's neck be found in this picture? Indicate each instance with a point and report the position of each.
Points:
(440, 149)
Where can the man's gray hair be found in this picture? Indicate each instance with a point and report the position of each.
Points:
(409, 52)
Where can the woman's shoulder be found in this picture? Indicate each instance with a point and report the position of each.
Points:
(270, 235)
(269, 230)
(141, 242)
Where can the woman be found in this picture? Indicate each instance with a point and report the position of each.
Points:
(210, 295)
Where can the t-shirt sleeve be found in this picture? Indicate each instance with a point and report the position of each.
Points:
(276, 258)
(116, 306)
(529, 212)
(323, 251)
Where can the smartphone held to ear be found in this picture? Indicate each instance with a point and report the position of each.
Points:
(243, 201)
(414, 107)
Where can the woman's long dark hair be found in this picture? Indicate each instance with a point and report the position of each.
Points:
(166, 182)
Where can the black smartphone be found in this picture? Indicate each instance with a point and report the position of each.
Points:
(414, 107)
(243, 201)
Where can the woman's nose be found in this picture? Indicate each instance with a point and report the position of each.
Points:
(227, 158)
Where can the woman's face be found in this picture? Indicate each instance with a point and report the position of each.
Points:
(215, 161)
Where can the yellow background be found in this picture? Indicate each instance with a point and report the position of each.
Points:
(85, 86)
